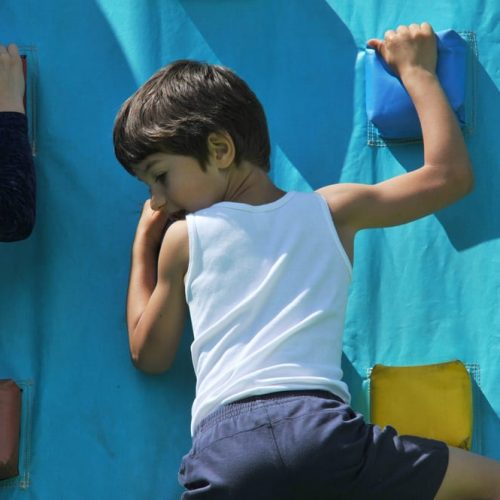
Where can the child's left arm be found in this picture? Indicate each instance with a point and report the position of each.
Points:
(446, 175)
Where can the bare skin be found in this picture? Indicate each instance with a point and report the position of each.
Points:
(11, 79)
(155, 303)
(156, 306)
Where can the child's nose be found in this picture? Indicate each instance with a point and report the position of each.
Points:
(157, 202)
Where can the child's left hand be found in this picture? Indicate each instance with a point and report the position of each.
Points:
(408, 47)
(12, 83)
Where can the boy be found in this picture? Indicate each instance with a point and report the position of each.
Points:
(271, 418)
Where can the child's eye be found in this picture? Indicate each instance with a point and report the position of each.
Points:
(161, 177)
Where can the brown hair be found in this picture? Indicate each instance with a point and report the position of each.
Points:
(180, 105)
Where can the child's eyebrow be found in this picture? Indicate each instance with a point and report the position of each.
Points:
(143, 170)
(149, 165)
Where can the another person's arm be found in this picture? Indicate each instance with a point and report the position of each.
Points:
(17, 174)
(446, 175)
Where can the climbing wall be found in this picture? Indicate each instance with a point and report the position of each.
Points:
(93, 426)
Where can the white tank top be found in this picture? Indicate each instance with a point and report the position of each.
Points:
(267, 289)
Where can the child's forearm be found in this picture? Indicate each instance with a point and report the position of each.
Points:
(143, 277)
(444, 145)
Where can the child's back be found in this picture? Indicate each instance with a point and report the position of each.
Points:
(266, 289)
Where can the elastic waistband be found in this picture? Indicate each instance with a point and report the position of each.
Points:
(244, 405)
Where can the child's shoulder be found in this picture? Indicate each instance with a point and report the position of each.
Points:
(174, 251)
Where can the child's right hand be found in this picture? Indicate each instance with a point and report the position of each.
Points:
(408, 47)
(12, 83)
(152, 225)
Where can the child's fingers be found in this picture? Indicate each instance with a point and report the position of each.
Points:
(426, 28)
(149, 212)
(375, 43)
(389, 35)
(147, 205)
(408, 46)
(414, 28)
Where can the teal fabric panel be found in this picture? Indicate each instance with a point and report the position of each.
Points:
(422, 293)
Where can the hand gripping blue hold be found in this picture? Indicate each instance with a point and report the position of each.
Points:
(389, 106)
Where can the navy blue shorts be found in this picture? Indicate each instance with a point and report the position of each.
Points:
(306, 445)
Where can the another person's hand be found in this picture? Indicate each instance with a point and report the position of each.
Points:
(12, 83)
(408, 47)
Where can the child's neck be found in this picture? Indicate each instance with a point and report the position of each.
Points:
(249, 184)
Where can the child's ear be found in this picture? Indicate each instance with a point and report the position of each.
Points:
(221, 149)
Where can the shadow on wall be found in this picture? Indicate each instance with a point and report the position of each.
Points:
(489, 423)
(300, 62)
(473, 220)
(357, 384)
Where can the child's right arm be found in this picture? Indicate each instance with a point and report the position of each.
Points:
(446, 174)
(156, 305)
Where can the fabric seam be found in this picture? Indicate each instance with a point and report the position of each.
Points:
(271, 428)
(271, 423)
(191, 236)
(267, 207)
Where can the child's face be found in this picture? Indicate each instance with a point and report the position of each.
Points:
(177, 183)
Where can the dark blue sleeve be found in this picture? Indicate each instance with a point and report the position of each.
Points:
(17, 178)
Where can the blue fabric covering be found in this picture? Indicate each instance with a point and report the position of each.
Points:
(422, 293)
(389, 106)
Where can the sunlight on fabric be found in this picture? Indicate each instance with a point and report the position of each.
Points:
(285, 174)
(144, 32)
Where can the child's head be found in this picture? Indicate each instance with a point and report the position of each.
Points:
(180, 105)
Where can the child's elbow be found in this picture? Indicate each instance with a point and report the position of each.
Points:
(460, 181)
(151, 366)
(466, 180)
